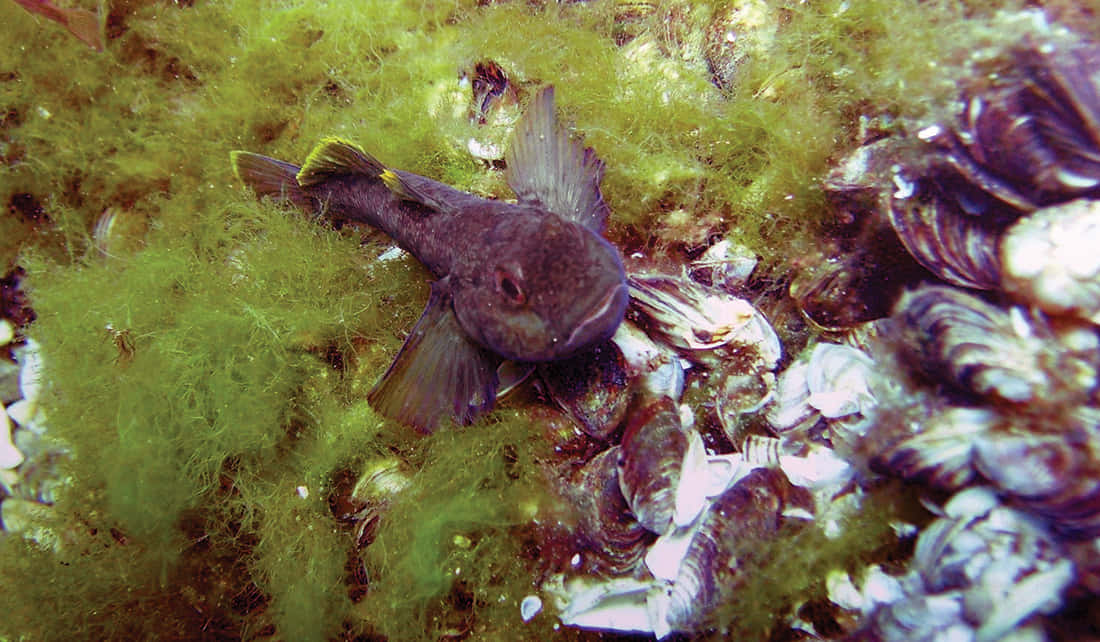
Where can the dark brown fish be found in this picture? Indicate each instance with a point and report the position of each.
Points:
(532, 282)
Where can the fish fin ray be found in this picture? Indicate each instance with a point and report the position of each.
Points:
(337, 157)
(270, 177)
(438, 373)
(545, 167)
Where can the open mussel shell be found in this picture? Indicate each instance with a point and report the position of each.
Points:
(687, 315)
(611, 537)
(1050, 259)
(650, 460)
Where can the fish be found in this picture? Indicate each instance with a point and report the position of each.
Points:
(533, 281)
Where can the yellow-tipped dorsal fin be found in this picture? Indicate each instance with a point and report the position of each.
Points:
(337, 157)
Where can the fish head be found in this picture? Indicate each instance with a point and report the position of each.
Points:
(547, 289)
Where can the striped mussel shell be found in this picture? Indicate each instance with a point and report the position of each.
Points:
(979, 572)
(611, 537)
(1050, 260)
(939, 452)
(957, 248)
(1054, 476)
(752, 510)
(594, 388)
(651, 458)
(989, 352)
(1028, 134)
(687, 315)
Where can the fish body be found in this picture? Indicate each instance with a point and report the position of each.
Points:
(532, 281)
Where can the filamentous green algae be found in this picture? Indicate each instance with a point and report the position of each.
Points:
(201, 451)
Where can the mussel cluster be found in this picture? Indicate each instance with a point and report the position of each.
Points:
(662, 521)
(979, 368)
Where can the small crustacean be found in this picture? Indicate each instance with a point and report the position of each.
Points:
(752, 510)
(1050, 260)
(611, 537)
(979, 572)
(650, 460)
(983, 349)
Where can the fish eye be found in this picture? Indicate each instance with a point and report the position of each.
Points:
(507, 286)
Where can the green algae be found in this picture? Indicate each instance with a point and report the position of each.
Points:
(208, 381)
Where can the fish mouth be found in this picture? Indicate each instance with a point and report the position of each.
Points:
(602, 321)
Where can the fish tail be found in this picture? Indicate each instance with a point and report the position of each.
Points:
(270, 177)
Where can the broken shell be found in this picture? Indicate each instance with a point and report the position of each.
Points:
(724, 265)
(687, 315)
(790, 409)
(838, 379)
(979, 572)
(1050, 259)
(650, 461)
(10, 457)
(607, 530)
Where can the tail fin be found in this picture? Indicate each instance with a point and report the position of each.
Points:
(270, 177)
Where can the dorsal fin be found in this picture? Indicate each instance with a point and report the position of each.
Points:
(336, 157)
(545, 167)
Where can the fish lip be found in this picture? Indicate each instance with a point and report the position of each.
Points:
(610, 307)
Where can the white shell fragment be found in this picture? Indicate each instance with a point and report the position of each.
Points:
(1050, 259)
(10, 457)
(530, 607)
(838, 378)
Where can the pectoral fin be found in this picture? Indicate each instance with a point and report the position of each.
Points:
(438, 373)
(548, 169)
